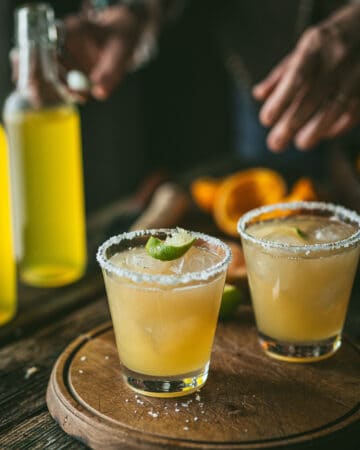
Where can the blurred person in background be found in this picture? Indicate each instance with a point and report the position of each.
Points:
(299, 58)
(204, 78)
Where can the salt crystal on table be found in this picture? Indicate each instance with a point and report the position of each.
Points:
(186, 428)
(30, 371)
(83, 358)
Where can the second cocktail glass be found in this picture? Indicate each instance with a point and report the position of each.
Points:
(301, 260)
(164, 313)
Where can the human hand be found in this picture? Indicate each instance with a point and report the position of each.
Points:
(314, 93)
(102, 46)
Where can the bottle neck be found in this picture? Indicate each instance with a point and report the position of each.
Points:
(37, 66)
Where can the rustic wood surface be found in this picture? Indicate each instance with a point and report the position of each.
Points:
(249, 401)
(49, 319)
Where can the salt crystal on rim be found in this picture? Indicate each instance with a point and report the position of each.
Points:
(166, 280)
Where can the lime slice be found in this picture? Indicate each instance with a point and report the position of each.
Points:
(281, 231)
(173, 247)
(300, 233)
(230, 301)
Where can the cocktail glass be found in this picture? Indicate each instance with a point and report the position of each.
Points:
(301, 260)
(164, 313)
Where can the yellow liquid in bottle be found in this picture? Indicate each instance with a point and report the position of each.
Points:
(7, 260)
(46, 164)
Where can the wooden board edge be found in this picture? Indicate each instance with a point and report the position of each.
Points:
(72, 416)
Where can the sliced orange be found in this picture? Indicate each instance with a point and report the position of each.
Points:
(303, 190)
(243, 191)
(203, 191)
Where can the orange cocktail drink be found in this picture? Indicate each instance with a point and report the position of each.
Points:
(164, 313)
(301, 260)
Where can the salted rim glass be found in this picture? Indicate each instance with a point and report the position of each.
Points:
(337, 212)
(298, 323)
(125, 240)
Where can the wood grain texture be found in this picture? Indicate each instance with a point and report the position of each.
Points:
(249, 401)
(24, 419)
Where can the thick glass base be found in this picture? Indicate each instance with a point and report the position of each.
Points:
(172, 386)
(306, 352)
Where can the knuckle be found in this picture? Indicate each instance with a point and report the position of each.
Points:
(312, 37)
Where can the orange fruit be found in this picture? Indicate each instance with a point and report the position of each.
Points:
(243, 191)
(303, 190)
(203, 191)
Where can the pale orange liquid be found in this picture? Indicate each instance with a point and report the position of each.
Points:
(300, 298)
(7, 259)
(164, 331)
(45, 154)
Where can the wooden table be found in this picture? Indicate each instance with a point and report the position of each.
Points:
(48, 320)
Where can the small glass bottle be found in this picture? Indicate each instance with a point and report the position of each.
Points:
(8, 298)
(43, 128)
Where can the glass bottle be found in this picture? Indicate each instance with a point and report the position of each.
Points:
(43, 128)
(7, 260)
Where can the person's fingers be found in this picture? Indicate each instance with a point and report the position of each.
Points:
(300, 72)
(344, 123)
(344, 105)
(81, 47)
(320, 124)
(110, 68)
(302, 108)
(263, 89)
(283, 94)
(333, 119)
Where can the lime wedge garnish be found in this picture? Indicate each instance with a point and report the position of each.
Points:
(285, 230)
(173, 247)
(300, 233)
(230, 301)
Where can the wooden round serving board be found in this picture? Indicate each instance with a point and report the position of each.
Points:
(249, 401)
